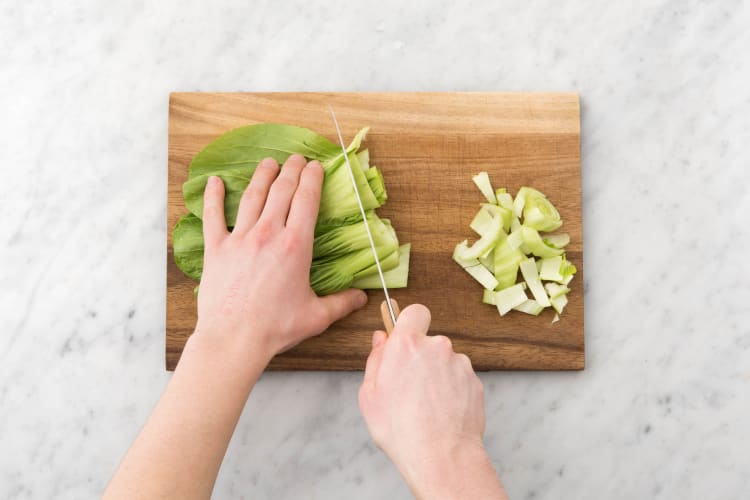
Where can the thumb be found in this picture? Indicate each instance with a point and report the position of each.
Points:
(340, 304)
(379, 339)
(413, 320)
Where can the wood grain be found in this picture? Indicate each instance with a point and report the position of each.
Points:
(428, 145)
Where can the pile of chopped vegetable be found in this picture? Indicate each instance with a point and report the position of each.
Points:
(512, 237)
(342, 257)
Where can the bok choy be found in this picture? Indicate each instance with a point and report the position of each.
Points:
(342, 257)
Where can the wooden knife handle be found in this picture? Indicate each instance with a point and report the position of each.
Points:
(386, 315)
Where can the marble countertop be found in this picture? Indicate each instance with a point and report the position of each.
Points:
(661, 410)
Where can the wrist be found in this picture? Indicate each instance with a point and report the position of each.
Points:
(235, 350)
(451, 471)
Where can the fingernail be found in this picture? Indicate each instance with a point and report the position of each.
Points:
(213, 181)
(314, 163)
(266, 162)
(296, 158)
(362, 299)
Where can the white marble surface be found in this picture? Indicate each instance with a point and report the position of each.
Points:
(663, 408)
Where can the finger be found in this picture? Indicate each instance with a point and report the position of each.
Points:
(465, 362)
(282, 190)
(442, 343)
(306, 201)
(413, 320)
(214, 224)
(340, 304)
(462, 364)
(255, 195)
(379, 339)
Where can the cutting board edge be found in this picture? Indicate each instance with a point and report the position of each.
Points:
(575, 362)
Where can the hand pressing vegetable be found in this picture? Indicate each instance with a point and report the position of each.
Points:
(342, 257)
(254, 303)
(510, 240)
(274, 220)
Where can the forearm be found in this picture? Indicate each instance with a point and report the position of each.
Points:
(180, 449)
(463, 472)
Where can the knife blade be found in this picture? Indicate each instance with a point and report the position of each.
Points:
(388, 302)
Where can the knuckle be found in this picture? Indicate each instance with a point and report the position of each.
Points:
(261, 234)
(210, 245)
(292, 242)
(306, 195)
(209, 207)
(409, 341)
(465, 360)
(443, 342)
(254, 190)
(264, 177)
(284, 183)
(323, 317)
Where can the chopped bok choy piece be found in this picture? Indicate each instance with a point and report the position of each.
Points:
(504, 199)
(505, 215)
(489, 296)
(474, 267)
(519, 201)
(554, 290)
(515, 238)
(530, 307)
(533, 241)
(482, 180)
(515, 224)
(481, 221)
(567, 270)
(482, 275)
(549, 269)
(528, 270)
(539, 213)
(559, 303)
(485, 244)
(488, 261)
(506, 260)
(557, 240)
(509, 298)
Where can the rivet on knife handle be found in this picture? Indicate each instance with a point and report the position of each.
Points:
(386, 314)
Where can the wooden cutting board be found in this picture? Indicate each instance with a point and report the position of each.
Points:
(427, 145)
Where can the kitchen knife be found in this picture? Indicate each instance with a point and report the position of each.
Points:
(389, 308)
